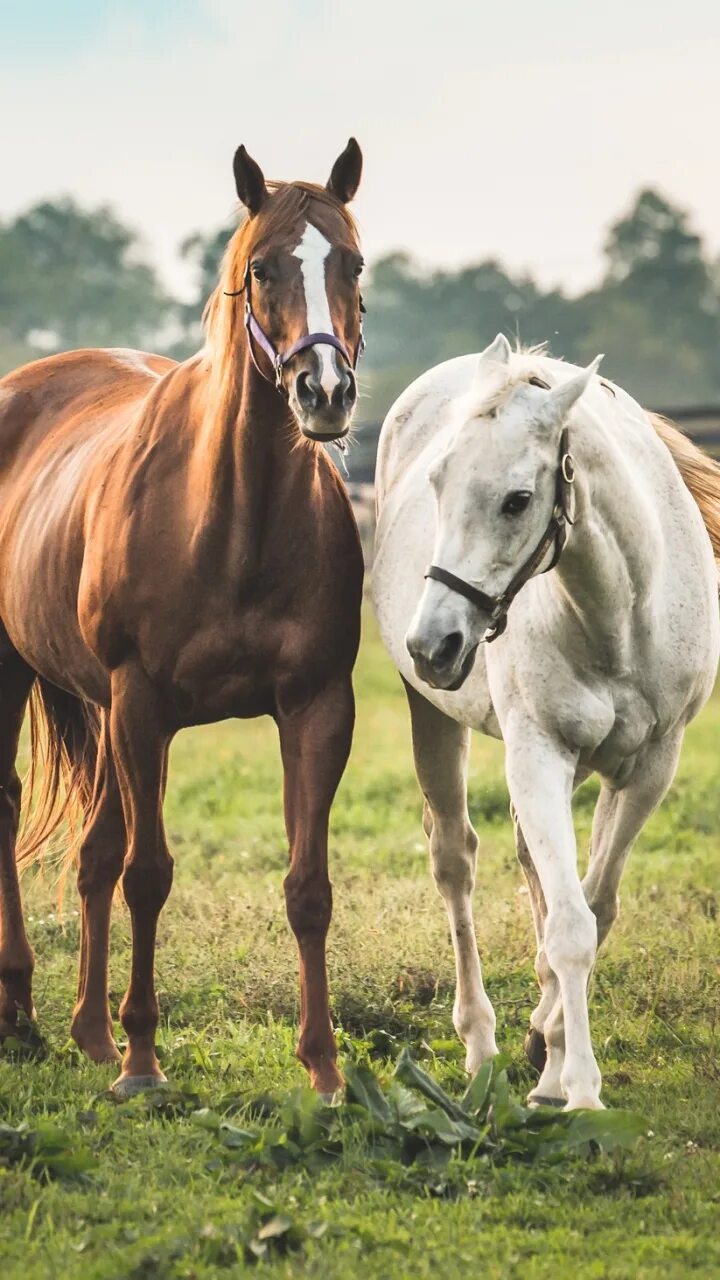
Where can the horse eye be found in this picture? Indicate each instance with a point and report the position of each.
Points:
(358, 270)
(516, 502)
(259, 272)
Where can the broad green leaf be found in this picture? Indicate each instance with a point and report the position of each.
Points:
(204, 1118)
(476, 1094)
(609, 1129)
(234, 1137)
(363, 1087)
(409, 1073)
(438, 1123)
(403, 1101)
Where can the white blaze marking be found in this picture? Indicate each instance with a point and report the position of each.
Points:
(312, 251)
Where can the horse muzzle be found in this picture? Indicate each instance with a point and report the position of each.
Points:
(324, 408)
(442, 661)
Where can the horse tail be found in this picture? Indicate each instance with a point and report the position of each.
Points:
(64, 734)
(700, 473)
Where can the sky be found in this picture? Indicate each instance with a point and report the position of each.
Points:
(517, 130)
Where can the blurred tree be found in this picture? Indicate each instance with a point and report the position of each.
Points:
(657, 312)
(204, 253)
(652, 250)
(71, 277)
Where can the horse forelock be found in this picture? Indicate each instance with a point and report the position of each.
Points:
(486, 399)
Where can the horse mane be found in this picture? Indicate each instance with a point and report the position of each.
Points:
(700, 473)
(223, 317)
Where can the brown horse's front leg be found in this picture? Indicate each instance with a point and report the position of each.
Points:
(315, 746)
(140, 743)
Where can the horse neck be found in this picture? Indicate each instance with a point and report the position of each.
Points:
(609, 562)
(244, 438)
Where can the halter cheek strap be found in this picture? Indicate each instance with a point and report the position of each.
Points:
(555, 536)
(279, 359)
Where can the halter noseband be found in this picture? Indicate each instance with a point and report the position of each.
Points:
(279, 359)
(555, 536)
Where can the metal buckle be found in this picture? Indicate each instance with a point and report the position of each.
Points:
(567, 467)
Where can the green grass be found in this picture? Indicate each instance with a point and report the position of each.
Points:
(165, 1198)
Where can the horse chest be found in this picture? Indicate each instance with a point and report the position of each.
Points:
(608, 726)
(251, 664)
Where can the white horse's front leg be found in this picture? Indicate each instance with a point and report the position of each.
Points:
(540, 774)
(441, 750)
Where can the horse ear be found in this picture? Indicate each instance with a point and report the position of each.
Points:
(561, 399)
(498, 353)
(491, 368)
(249, 181)
(346, 173)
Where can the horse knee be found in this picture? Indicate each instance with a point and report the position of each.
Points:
(543, 971)
(308, 900)
(139, 1012)
(16, 963)
(571, 937)
(99, 867)
(147, 880)
(453, 852)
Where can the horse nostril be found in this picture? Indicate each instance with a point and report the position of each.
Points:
(307, 390)
(447, 651)
(345, 393)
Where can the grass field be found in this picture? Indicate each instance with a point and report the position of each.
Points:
(165, 1198)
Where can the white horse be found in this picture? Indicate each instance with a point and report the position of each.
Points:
(493, 470)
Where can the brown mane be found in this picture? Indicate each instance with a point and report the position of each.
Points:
(700, 473)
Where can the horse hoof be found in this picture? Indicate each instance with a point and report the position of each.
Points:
(332, 1099)
(326, 1080)
(127, 1086)
(585, 1104)
(540, 1100)
(536, 1049)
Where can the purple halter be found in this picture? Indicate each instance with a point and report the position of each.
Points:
(280, 358)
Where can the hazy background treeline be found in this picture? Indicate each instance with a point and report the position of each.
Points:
(72, 276)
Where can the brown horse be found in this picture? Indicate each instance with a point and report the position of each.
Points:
(176, 549)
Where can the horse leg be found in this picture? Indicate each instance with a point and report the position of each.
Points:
(540, 777)
(618, 819)
(535, 1046)
(140, 743)
(441, 748)
(547, 1033)
(101, 860)
(633, 806)
(315, 744)
(16, 957)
